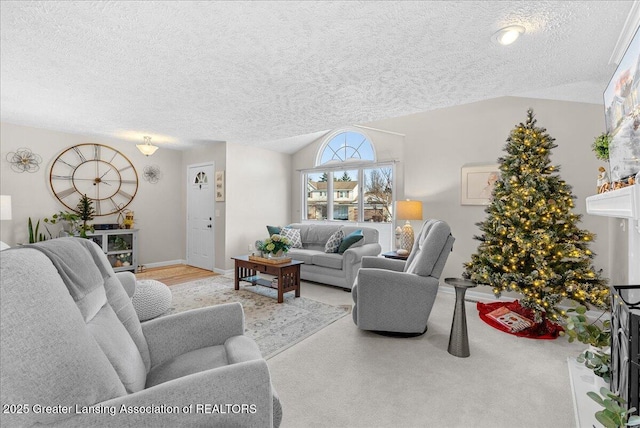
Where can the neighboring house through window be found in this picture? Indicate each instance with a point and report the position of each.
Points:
(347, 183)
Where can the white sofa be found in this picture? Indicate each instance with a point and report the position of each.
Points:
(332, 268)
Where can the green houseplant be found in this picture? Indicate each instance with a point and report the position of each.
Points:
(596, 334)
(614, 414)
(68, 220)
(86, 212)
(34, 234)
(601, 146)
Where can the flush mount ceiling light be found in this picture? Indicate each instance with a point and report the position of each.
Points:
(147, 148)
(507, 35)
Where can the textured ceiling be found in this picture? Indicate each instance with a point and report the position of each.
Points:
(277, 74)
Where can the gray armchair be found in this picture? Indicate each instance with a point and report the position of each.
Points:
(74, 353)
(396, 296)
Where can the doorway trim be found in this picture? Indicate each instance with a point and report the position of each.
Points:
(188, 208)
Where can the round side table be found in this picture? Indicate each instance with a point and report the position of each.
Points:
(458, 339)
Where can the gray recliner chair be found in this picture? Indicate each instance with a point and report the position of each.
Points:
(74, 353)
(396, 296)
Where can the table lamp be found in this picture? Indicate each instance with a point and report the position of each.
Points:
(408, 210)
(5, 207)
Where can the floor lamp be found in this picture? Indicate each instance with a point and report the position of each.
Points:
(408, 210)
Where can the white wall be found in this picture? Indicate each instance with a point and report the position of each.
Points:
(258, 194)
(438, 143)
(157, 207)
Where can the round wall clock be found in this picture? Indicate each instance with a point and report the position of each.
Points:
(101, 172)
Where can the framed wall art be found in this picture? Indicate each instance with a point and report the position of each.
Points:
(477, 183)
(219, 186)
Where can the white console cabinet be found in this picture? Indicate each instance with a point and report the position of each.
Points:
(120, 246)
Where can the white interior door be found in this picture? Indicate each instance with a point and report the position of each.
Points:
(200, 218)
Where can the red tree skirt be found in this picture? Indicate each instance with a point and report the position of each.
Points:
(543, 330)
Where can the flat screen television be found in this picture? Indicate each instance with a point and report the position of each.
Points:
(622, 114)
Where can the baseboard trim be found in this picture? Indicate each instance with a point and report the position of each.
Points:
(477, 296)
(166, 263)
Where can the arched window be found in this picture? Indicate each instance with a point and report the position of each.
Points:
(346, 146)
(347, 184)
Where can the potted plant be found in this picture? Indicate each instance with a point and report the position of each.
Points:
(614, 414)
(276, 245)
(601, 146)
(68, 220)
(86, 212)
(596, 334)
(34, 234)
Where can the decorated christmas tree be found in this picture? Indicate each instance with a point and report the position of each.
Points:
(530, 241)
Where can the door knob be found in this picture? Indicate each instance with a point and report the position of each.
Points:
(209, 226)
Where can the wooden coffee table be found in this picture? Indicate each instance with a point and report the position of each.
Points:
(288, 275)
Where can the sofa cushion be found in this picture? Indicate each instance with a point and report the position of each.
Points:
(355, 238)
(330, 260)
(334, 242)
(318, 235)
(303, 255)
(293, 235)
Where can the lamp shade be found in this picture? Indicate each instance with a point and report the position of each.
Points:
(409, 210)
(5, 207)
(147, 148)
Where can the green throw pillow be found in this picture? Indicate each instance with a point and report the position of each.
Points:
(349, 240)
(274, 230)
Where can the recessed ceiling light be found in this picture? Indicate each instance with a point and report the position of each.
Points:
(508, 35)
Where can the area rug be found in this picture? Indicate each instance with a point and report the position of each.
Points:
(274, 326)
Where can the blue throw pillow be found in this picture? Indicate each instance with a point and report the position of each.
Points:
(274, 230)
(350, 239)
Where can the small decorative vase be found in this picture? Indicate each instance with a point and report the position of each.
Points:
(278, 255)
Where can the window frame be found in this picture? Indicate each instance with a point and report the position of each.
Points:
(331, 136)
(340, 167)
(332, 166)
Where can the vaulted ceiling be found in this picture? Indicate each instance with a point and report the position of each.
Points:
(279, 74)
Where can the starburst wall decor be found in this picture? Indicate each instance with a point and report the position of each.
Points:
(24, 160)
(152, 173)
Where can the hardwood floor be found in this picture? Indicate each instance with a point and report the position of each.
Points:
(175, 274)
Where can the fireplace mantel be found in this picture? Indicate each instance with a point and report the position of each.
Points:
(625, 204)
(621, 203)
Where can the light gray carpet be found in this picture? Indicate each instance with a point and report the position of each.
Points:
(346, 377)
(273, 326)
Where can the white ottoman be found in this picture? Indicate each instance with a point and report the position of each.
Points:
(151, 299)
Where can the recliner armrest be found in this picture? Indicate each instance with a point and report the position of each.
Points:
(128, 281)
(173, 335)
(395, 283)
(382, 263)
(200, 399)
